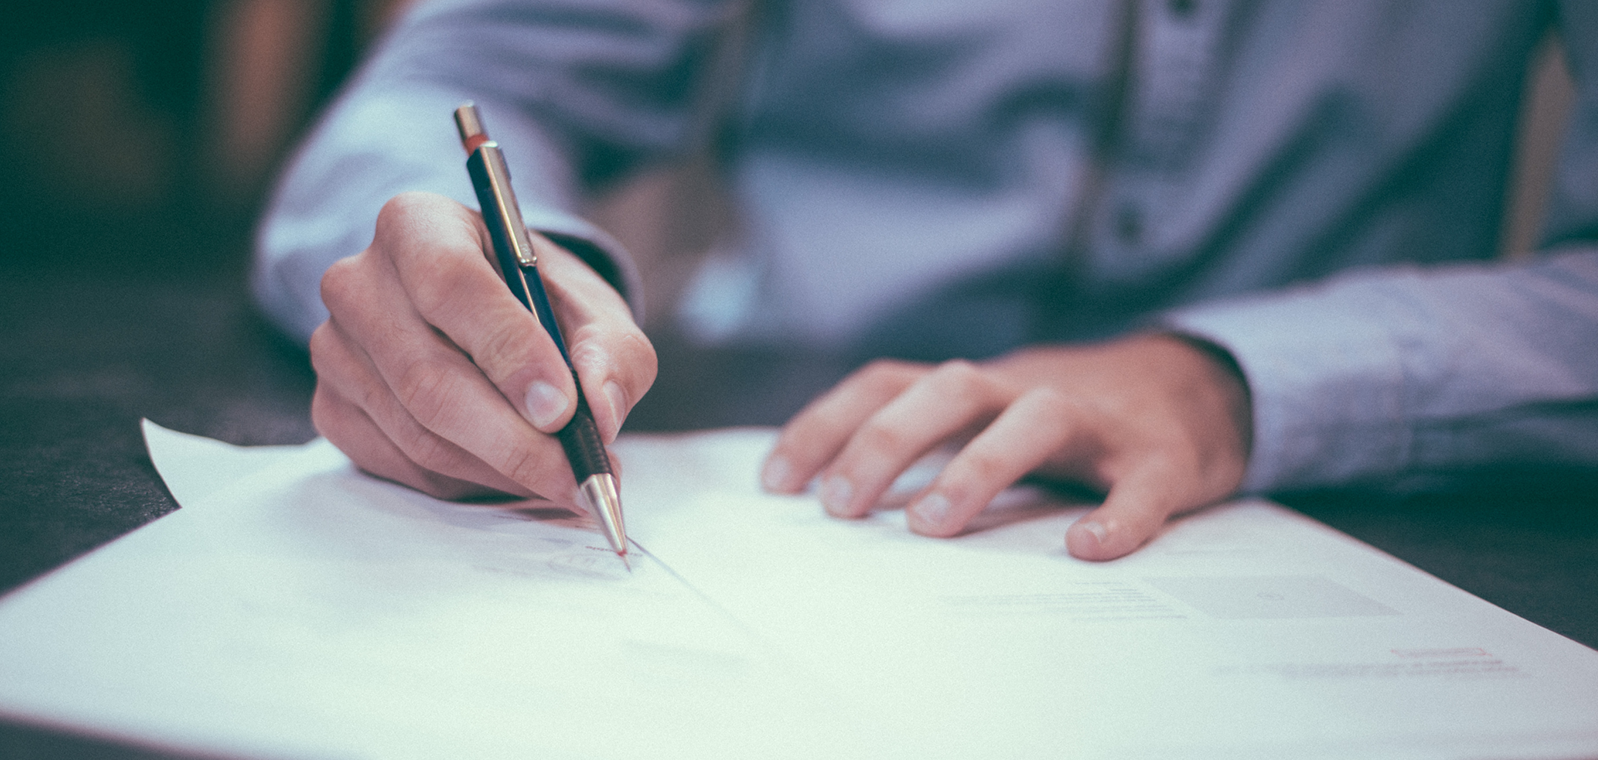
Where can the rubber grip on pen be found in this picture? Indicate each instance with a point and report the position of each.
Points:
(584, 447)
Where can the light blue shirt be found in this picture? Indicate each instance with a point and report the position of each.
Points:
(932, 179)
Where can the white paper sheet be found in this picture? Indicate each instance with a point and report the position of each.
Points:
(1244, 631)
(306, 610)
(295, 608)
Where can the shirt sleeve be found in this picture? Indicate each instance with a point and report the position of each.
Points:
(1379, 376)
(577, 91)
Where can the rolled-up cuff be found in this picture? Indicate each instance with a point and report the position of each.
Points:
(1326, 387)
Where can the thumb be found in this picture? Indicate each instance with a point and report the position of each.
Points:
(1133, 511)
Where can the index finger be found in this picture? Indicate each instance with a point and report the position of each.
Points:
(438, 250)
(819, 431)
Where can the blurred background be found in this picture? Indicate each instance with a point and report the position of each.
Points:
(141, 136)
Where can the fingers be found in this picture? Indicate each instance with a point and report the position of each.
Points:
(433, 383)
(938, 407)
(1037, 427)
(354, 433)
(1136, 507)
(436, 250)
(1044, 425)
(398, 448)
(816, 435)
(431, 373)
(1149, 418)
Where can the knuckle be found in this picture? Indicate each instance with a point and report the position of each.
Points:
(435, 281)
(639, 354)
(423, 388)
(957, 378)
(983, 467)
(884, 373)
(403, 208)
(525, 465)
(592, 348)
(877, 367)
(1050, 406)
(374, 398)
(503, 346)
(322, 348)
(341, 283)
(876, 437)
(431, 453)
(324, 416)
(623, 352)
(431, 249)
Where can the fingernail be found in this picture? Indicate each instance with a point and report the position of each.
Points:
(774, 476)
(545, 404)
(1097, 530)
(931, 510)
(835, 493)
(617, 400)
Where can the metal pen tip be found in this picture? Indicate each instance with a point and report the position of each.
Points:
(603, 498)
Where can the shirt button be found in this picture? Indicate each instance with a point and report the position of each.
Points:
(1128, 223)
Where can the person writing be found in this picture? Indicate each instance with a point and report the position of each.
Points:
(1174, 251)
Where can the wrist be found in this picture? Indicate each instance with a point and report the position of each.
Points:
(1224, 374)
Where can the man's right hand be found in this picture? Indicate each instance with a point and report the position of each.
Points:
(430, 373)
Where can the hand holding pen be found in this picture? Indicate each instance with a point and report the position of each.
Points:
(432, 374)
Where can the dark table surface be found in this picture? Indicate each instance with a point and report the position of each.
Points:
(84, 359)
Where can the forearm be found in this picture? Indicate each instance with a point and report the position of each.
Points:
(571, 115)
(360, 157)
